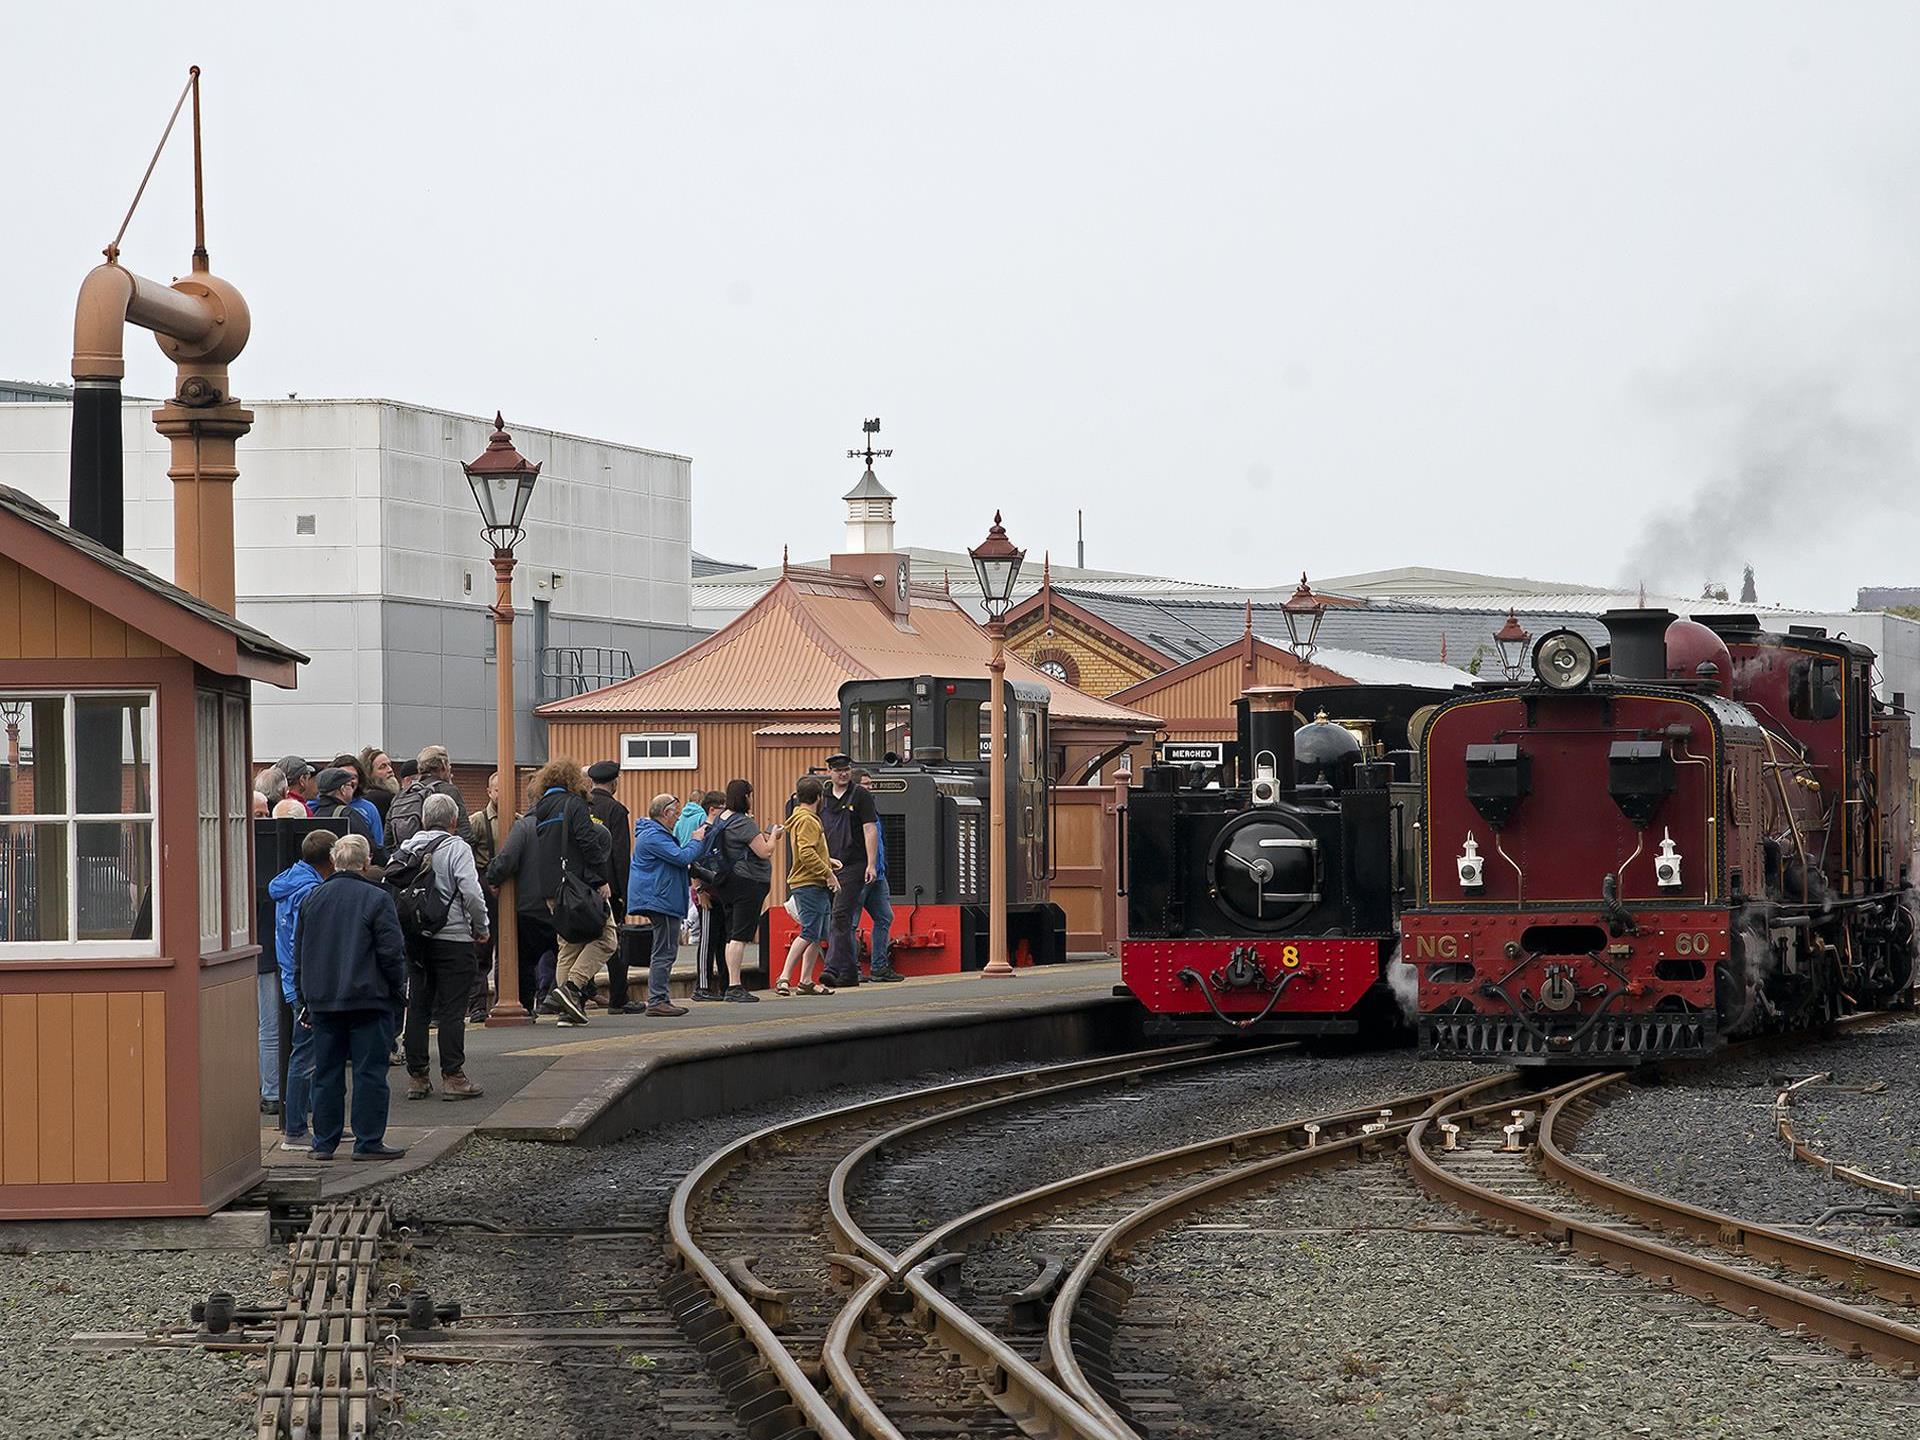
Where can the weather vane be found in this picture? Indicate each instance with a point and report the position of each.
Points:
(871, 428)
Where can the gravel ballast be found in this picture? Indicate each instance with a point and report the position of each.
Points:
(1708, 1137)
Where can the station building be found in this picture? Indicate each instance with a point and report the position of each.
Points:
(759, 698)
(358, 544)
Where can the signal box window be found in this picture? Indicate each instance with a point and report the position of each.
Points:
(76, 825)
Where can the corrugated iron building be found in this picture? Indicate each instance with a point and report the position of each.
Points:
(759, 698)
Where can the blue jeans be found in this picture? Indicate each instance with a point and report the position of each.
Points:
(879, 905)
(297, 1107)
(268, 990)
(359, 1038)
(666, 947)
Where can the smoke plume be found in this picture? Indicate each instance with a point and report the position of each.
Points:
(1404, 981)
(1801, 465)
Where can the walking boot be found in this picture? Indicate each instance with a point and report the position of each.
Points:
(458, 1087)
(419, 1087)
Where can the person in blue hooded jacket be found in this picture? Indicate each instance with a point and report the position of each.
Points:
(288, 889)
(657, 889)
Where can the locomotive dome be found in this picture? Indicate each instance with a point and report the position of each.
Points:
(1690, 646)
(1324, 751)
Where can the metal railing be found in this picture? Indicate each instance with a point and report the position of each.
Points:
(567, 670)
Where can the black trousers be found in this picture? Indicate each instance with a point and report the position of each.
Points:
(440, 982)
(711, 964)
(842, 965)
(483, 960)
(536, 938)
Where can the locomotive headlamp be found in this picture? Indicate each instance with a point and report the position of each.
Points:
(1666, 863)
(1472, 867)
(1563, 660)
(1266, 782)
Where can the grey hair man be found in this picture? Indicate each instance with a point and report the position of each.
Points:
(440, 963)
(272, 783)
(350, 974)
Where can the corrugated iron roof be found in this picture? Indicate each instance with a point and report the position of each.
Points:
(809, 633)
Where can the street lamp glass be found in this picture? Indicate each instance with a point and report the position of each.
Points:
(1512, 640)
(996, 562)
(1302, 612)
(502, 482)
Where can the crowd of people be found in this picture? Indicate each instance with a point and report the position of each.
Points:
(384, 930)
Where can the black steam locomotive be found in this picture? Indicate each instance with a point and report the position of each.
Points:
(1263, 896)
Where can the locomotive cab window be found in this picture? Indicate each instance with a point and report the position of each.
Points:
(967, 730)
(881, 729)
(1814, 690)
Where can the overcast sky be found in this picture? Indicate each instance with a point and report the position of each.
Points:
(1261, 287)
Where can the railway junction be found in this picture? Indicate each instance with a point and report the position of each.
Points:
(1414, 1004)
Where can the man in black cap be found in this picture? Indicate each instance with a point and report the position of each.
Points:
(852, 824)
(336, 786)
(607, 809)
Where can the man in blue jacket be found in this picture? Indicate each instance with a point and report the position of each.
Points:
(657, 889)
(288, 890)
(350, 973)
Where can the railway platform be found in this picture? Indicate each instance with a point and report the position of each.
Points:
(622, 1073)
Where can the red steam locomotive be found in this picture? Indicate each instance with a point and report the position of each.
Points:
(1701, 833)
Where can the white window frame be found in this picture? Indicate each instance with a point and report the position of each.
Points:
(71, 819)
(209, 820)
(689, 761)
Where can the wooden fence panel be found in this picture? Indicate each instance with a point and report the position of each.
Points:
(1086, 865)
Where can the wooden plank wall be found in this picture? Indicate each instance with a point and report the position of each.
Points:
(40, 622)
(229, 1073)
(83, 1096)
(1086, 873)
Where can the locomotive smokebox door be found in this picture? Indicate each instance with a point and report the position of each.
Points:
(1498, 779)
(1639, 777)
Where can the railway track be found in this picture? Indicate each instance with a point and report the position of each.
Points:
(941, 1334)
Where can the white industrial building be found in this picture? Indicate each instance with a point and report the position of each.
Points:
(358, 543)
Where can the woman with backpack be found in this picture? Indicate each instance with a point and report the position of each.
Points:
(739, 857)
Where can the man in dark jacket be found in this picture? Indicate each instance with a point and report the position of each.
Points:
(572, 842)
(350, 972)
(435, 778)
(607, 809)
(519, 861)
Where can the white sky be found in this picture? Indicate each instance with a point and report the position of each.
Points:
(1261, 287)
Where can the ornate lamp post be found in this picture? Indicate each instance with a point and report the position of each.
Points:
(1302, 611)
(1512, 641)
(997, 562)
(502, 480)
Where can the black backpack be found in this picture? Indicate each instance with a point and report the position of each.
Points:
(409, 879)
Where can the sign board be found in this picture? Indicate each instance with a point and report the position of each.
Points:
(1193, 752)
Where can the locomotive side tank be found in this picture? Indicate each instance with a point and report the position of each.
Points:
(1641, 856)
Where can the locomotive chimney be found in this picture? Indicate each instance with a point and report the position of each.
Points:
(1637, 643)
(1265, 720)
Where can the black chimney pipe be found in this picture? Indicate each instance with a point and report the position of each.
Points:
(96, 481)
(1264, 731)
(1637, 643)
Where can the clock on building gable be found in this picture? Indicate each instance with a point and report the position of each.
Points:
(1055, 669)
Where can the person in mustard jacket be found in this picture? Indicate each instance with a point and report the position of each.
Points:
(811, 884)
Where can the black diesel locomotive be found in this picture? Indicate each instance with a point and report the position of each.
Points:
(1265, 899)
(924, 741)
